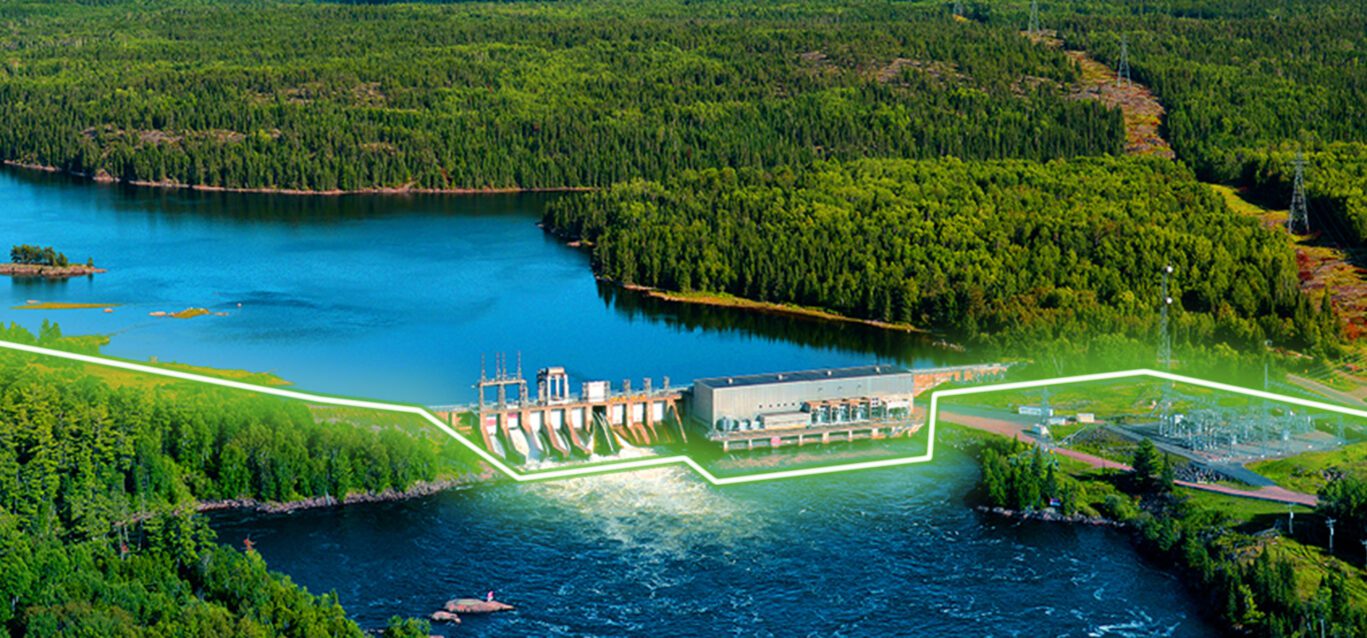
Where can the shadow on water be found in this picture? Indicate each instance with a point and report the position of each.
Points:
(882, 344)
(248, 209)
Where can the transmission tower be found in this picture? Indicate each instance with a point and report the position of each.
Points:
(1122, 74)
(1299, 219)
(959, 8)
(1034, 17)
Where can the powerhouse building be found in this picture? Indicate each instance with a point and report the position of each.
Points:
(809, 398)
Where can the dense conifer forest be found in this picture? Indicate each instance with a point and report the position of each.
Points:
(324, 96)
(1013, 248)
(100, 477)
(1245, 82)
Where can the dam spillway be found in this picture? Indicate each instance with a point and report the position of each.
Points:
(748, 412)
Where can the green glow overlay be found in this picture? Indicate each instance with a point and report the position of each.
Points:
(665, 461)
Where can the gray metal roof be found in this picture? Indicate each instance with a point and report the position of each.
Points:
(805, 375)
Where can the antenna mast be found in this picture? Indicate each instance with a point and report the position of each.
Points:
(1299, 219)
(1034, 18)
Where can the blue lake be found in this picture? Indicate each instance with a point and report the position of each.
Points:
(387, 297)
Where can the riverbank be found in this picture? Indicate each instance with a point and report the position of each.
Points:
(1227, 548)
(417, 490)
(49, 272)
(1049, 516)
(106, 178)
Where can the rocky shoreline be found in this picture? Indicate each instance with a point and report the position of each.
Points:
(420, 489)
(1050, 516)
(49, 272)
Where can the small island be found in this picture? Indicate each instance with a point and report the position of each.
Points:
(35, 261)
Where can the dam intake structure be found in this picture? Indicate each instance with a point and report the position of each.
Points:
(734, 413)
(559, 426)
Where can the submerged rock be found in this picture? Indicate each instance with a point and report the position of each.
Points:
(445, 616)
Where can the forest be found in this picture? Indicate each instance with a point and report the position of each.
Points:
(100, 477)
(1246, 84)
(327, 96)
(1253, 585)
(997, 248)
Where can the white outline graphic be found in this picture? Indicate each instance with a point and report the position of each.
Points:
(642, 464)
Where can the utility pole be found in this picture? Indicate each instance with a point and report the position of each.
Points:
(1330, 522)
(1044, 414)
(1034, 18)
(1122, 73)
(1298, 221)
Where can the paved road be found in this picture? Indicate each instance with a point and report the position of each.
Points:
(1014, 426)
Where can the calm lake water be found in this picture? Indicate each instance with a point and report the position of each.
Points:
(396, 298)
(392, 298)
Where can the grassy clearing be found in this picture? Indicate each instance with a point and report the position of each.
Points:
(1312, 566)
(1243, 510)
(1235, 200)
(1310, 471)
(244, 376)
(1105, 399)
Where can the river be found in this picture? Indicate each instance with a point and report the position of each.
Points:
(660, 553)
(396, 298)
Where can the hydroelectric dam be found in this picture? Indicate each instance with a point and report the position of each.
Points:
(744, 412)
